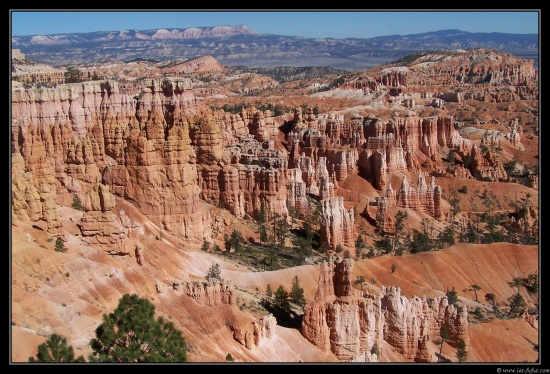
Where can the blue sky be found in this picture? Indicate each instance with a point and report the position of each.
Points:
(314, 24)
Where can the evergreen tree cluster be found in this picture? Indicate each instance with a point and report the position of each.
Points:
(130, 334)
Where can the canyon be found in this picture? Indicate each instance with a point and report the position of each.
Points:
(136, 175)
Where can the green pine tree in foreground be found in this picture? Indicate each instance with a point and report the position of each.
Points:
(132, 334)
(129, 334)
(55, 349)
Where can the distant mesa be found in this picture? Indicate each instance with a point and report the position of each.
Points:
(163, 33)
(241, 46)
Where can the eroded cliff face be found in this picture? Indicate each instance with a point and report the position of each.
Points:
(167, 154)
(77, 139)
(425, 197)
(58, 144)
(214, 293)
(392, 145)
(475, 66)
(486, 166)
(326, 149)
(349, 324)
(220, 298)
(211, 293)
(242, 168)
(256, 332)
(409, 321)
(106, 228)
(370, 146)
(337, 223)
(32, 199)
(163, 153)
(159, 173)
(339, 319)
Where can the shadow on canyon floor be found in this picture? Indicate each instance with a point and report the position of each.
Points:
(289, 319)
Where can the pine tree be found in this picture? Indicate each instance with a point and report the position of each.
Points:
(452, 296)
(132, 334)
(517, 304)
(261, 214)
(77, 203)
(398, 229)
(214, 272)
(359, 244)
(59, 245)
(236, 242)
(55, 349)
(532, 282)
(297, 292)
(516, 282)
(282, 229)
(461, 352)
(444, 334)
(263, 234)
(268, 291)
(262, 227)
(447, 235)
(490, 297)
(383, 244)
(360, 280)
(455, 208)
(281, 299)
(475, 288)
(308, 232)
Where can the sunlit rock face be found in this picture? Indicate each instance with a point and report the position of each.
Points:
(342, 320)
(100, 224)
(425, 197)
(159, 174)
(486, 166)
(253, 335)
(73, 137)
(211, 293)
(59, 135)
(296, 196)
(392, 145)
(337, 223)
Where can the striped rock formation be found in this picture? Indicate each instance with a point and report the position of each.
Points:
(342, 320)
(76, 136)
(337, 224)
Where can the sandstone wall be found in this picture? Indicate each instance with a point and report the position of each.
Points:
(337, 224)
(76, 136)
(211, 293)
(342, 320)
(262, 329)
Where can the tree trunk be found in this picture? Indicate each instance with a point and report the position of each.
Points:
(440, 350)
